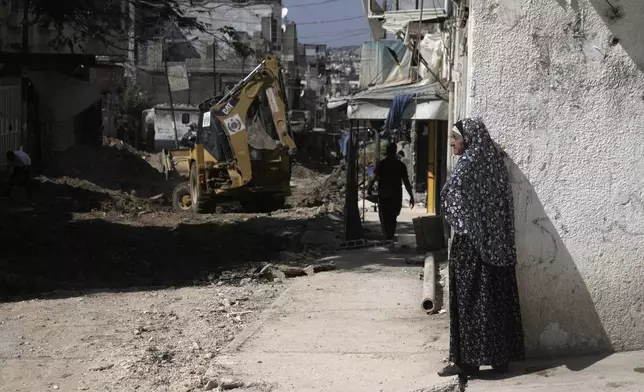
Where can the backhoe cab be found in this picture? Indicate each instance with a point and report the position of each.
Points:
(243, 147)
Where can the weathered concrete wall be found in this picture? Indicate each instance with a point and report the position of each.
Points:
(560, 84)
(247, 18)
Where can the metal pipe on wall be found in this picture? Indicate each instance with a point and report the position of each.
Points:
(429, 303)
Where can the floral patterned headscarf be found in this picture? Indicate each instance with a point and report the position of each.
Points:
(477, 198)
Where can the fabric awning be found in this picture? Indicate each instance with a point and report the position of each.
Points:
(336, 103)
(378, 110)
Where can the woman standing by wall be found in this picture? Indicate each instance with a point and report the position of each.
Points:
(485, 317)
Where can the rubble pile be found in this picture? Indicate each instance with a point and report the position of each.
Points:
(112, 177)
(329, 192)
(73, 194)
(113, 166)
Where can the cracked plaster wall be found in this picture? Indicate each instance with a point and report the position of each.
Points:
(560, 86)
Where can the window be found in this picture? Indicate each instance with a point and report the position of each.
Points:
(185, 118)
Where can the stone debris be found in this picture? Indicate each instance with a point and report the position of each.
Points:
(102, 368)
(282, 272)
(211, 384)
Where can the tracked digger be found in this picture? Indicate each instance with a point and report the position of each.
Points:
(242, 148)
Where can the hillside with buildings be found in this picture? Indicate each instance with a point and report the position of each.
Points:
(344, 69)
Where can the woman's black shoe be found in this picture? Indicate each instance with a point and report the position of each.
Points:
(458, 370)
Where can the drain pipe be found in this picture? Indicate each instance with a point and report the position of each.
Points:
(428, 303)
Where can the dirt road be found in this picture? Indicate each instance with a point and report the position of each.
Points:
(96, 223)
(105, 288)
(150, 340)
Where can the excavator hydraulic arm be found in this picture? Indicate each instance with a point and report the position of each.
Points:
(231, 111)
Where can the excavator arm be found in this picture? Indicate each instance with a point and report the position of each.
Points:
(232, 110)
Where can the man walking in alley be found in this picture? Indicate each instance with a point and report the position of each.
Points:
(19, 168)
(390, 174)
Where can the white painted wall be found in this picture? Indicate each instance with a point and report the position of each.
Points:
(569, 111)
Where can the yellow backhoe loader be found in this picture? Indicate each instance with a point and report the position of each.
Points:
(242, 148)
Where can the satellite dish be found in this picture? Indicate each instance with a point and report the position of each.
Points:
(284, 12)
(283, 28)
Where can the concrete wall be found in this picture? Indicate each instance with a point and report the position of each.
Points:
(246, 19)
(201, 87)
(566, 101)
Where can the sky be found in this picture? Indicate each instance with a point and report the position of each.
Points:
(317, 21)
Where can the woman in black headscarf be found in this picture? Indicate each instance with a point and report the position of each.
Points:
(485, 318)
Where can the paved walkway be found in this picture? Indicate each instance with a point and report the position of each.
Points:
(360, 328)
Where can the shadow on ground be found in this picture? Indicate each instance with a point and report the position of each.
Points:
(45, 248)
(543, 368)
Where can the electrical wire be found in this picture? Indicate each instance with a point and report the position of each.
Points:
(313, 4)
(335, 33)
(340, 38)
(332, 20)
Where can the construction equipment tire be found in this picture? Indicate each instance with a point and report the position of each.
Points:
(182, 198)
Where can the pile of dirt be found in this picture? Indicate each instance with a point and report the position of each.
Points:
(66, 194)
(113, 166)
(302, 172)
(113, 178)
(328, 192)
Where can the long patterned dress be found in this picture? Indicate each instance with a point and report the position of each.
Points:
(485, 316)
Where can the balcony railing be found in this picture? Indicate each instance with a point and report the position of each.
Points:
(431, 9)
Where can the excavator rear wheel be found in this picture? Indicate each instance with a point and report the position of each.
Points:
(199, 203)
(182, 198)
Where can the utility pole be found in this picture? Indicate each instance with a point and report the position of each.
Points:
(132, 45)
(24, 80)
(166, 53)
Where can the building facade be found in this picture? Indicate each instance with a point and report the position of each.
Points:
(560, 85)
(406, 59)
(257, 25)
(65, 86)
